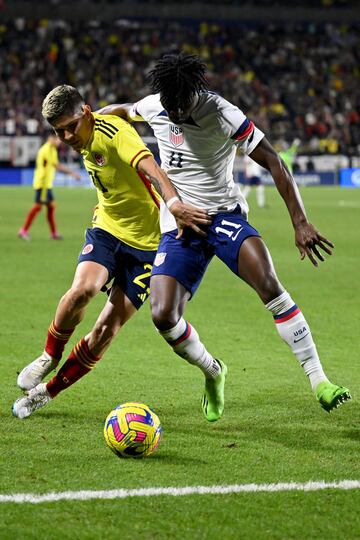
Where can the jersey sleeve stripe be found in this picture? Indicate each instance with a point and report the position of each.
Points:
(244, 130)
(135, 160)
(149, 187)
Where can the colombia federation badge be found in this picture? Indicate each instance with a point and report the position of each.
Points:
(100, 159)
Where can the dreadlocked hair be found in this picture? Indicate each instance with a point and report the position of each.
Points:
(178, 78)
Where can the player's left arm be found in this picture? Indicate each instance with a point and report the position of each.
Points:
(307, 238)
(186, 215)
(66, 170)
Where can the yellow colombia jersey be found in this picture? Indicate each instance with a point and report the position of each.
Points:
(46, 162)
(128, 206)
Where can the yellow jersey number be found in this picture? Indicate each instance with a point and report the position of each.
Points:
(139, 280)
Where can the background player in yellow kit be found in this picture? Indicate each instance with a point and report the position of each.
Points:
(121, 245)
(47, 163)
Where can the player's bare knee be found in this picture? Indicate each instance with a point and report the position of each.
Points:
(269, 288)
(80, 295)
(163, 316)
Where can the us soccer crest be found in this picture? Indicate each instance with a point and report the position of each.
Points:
(176, 135)
(99, 158)
(159, 259)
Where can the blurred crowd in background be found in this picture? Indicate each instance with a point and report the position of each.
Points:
(265, 3)
(300, 80)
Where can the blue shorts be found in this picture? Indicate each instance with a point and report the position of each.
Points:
(186, 259)
(44, 196)
(130, 267)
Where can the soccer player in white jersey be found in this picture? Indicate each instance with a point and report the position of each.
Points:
(198, 133)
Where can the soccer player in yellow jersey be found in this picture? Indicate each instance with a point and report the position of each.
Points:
(47, 163)
(121, 245)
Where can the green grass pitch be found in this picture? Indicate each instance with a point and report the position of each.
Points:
(273, 430)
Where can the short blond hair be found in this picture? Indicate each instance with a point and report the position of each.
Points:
(63, 99)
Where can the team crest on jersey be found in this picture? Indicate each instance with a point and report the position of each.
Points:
(176, 135)
(87, 249)
(159, 259)
(99, 158)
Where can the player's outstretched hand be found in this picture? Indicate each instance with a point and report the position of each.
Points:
(308, 241)
(187, 215)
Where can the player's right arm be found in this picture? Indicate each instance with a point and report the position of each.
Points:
(186, 215)
(123, 110)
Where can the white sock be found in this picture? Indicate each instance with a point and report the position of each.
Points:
(185, 341)
(260, 195)
(294, 330)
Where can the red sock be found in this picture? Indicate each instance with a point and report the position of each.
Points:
(56, 340)
(79, 363)
(51, 218)
(34, 210)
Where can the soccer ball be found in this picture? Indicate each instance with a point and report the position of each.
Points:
(132, 430)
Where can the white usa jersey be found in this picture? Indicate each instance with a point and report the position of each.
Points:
(198, 155)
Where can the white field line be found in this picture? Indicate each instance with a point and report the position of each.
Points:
(32, 498)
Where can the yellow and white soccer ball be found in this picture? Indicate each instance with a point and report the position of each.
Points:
(132, 430)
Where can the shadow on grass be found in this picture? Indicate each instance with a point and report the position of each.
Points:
(353, 434)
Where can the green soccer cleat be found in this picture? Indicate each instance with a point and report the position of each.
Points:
(213, 400)
(331, 396)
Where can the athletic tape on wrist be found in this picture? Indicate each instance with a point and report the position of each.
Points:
(171, 201)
